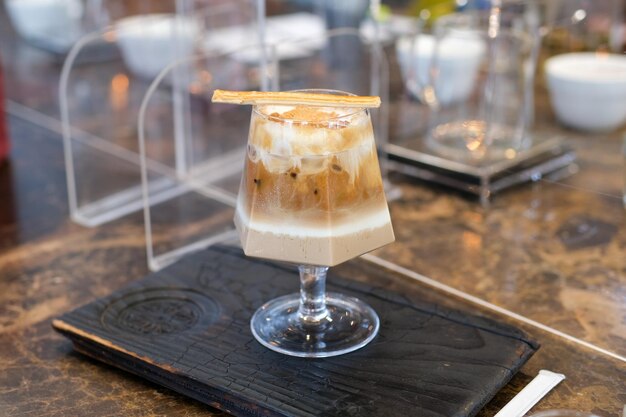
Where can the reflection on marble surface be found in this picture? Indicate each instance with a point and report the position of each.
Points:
(549, 252)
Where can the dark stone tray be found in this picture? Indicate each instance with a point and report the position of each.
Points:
(187, 328)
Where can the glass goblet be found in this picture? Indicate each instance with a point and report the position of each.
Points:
(312, 195)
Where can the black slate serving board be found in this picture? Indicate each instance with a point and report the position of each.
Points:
(187, 328)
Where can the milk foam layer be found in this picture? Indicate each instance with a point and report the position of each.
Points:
(299, 229)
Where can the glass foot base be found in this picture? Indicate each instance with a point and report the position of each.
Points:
(349, 325)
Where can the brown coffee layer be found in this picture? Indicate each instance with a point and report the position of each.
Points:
(322, 185)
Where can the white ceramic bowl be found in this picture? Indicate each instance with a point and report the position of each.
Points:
(588, 90)
(55, 22)
(458, 63)
(151, 42)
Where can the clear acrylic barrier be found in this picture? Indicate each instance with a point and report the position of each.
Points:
(100, 104)
(190, 208)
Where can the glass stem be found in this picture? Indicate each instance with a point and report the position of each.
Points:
(312, 310)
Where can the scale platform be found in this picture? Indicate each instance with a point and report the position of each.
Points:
(549, 156)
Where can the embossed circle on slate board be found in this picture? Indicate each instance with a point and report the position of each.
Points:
(160, 311)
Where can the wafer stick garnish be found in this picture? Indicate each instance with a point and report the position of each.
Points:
(285, 98)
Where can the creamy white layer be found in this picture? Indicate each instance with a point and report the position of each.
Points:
(366, 222)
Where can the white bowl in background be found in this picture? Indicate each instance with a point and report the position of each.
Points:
(151, 42)
(54, 22)
(588, 90)
(457, 65)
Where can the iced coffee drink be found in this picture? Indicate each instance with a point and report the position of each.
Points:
(311, 192)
